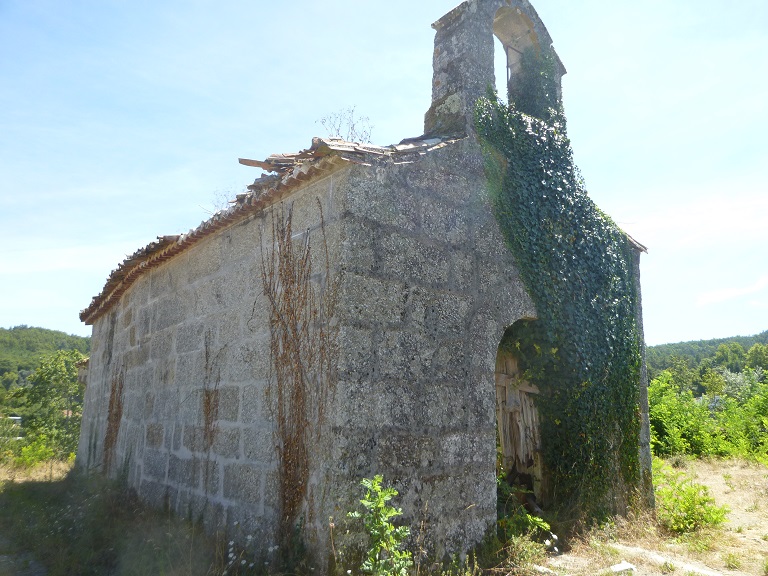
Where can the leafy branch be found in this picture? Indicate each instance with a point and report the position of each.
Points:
(385, 556)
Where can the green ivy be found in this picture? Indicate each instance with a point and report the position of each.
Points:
(583, 350)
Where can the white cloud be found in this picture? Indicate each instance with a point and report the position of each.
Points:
(726, 294)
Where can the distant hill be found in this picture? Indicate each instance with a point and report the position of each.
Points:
(658, 357)
(21, 348)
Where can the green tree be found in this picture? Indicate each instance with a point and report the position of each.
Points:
(741, 385)
(713, 382)
(9, 379)
(681, 373)
(730, 356)
(53, 400)
(757, 356)
(755, 421)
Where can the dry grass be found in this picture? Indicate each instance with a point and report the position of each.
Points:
(47, 472)
(740, 546)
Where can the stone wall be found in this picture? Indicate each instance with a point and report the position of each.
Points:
(177, 399)
(429, 288)
(178, 374)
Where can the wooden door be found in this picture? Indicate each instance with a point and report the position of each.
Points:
(518, 424)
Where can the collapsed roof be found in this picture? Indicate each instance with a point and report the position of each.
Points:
(284, 173)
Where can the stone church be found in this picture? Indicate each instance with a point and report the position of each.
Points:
(340, 319)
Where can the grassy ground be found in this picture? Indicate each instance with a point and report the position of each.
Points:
(77, 525)
(74, 525)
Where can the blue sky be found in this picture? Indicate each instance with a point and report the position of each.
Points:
(121, 121)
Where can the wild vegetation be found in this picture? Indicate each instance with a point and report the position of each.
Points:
(43, 391)
(73, 524)
(22, 348)
(712, 405)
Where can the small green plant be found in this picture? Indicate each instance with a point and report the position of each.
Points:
(519, 522)
(667, 568)
(699, 542)
(385, 556)
(765, 567)
(732, 561)
(678, 461)
(520, 539)
(682, 505)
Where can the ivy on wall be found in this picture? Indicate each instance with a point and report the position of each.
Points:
(583, 352)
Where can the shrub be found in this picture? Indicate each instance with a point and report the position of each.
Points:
(709, 425)
(10, 446)
(520, 539)
(683, 505)
(36, 452)
(385, 556)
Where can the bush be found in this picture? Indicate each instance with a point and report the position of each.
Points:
(36, 452)
(708, 425)
(683, 505)
(520, 539)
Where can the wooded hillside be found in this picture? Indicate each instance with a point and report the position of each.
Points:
(22, 348)
(660, 357)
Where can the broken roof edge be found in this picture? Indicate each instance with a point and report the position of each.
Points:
(325, 156)
(634, 243)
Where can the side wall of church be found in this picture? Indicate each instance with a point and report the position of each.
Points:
(176, 401)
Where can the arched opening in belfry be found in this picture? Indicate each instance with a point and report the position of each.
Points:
(515, 32)
(500, 68)
(518, 423)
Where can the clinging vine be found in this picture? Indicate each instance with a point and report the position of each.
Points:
(583, 351)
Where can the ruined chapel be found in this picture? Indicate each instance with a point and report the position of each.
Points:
(340, 319)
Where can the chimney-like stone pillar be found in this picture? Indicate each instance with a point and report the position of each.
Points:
(463, 57)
